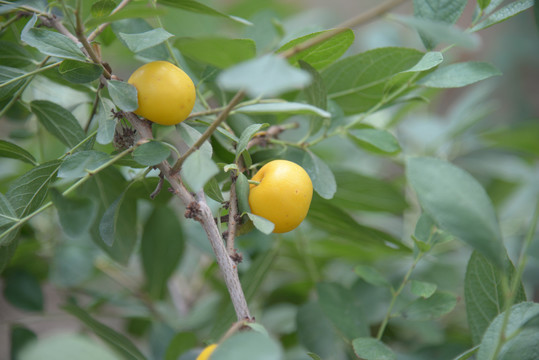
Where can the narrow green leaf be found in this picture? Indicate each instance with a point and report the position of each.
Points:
(79, 72)
(117, 341)
(423, 289)
(109, 221)
(197, 170)
(504, 13)
(213, 190)
(429, 61)
(483, 294)
(458, 204)
(8, 217)
(443, 11)
(483, 4)
(518, 137)
(217, 51)
(268, 75)
(437, 305)
(286, 108)
(246, 135)
(459, 75)
(321, 176)
(12, 151)
(522, 343)
(375, 140)
(58, 121)
(248, 346)
(8, 74)
(145, 40)
(14, 55)
(357, 83)
(242, 193)
(138, 25)
(76, 214)
(468, 354)
(371, 275)
(161, 248)
(102, 8)
(322, 54)
(263, 225)
(372, 349)
(28, 192)
(133, 11)
(199, 8)
(151, 153)
(23, 291)
(342, 307)
(314, 356)
(81, 163)
(123, 94)
(106, 121)
(50, 43)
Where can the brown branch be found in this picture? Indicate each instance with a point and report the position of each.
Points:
(103, 26)
(209, 131)
(79, 31)
(232, 213)
(355, 21)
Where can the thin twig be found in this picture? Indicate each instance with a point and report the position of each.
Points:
(232, 213)
(94, 108)
(209, 131)
(103, 26)
(89, 50)
(353, 22)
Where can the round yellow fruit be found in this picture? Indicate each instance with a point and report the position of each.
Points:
(208, 350)
(283, 195)
(166, 94)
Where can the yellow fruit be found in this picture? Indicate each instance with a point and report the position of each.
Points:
(208, 350)
(166, 94)
(283, 195)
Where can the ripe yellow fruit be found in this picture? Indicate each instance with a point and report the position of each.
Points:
(283, 195)
(166, 94)
(208, 350)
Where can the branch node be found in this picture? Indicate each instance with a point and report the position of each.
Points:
(193, 211)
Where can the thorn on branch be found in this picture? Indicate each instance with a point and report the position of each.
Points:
(159, 186)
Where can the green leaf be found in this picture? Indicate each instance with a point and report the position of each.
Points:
(137, 26)
(263, 225)
(66, 346)
(199, 8)
(269, 75)
(242, 193)
(23, 291)
(246, 135)
(321, 176)
(507, 12)
(197, 170)
(102, 8)
(458, 204)
(372, 276)
(316, 333)
(483, 4)
(8, 217)
(8, 74)
(521, 343)
(7, 251)
(110, 221)
(357, 83)
(286, 108)
(443, 11)
(50, 43)
(342, 307)
(459, 75)
(58, 121)
(117, 341)
(467, 354)
(372, 349)
(359, 192)
(314, 356)
(28, 192)
(106, 121)
(81, 163)
(79, 72)
(76, 214)
(213, 190)
(123, 94)
(375, 140)
(248, 346)
(151, 153)
(191, 135)
(161, 248)
(439, 304)
(217, 51)
(20, 337)
(14, 55)
(429, 61)
(180, 343)
(145, 40)
(519, 137)
(423, 289)
(321, 55)
(483, 294)
(132, 11)
(12, 151)
(440, 32)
